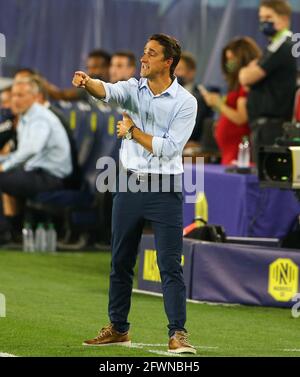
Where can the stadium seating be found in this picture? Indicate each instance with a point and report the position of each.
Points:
(85, 209)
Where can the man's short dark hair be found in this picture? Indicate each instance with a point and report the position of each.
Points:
(102, 54)
(172, 49)
(281, 7)
(189, 60)
(127, 54)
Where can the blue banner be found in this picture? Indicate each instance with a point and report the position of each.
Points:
(228, 273)
(149, 276)
(248, 275)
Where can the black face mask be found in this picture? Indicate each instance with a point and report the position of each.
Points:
(181, 81)
(267, 28)
(6, 114)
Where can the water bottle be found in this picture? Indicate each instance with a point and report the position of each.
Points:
(40, 238)
(243, 160)
(51, 238)
(28, 239)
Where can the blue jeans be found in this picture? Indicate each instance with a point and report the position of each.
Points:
(164, 211)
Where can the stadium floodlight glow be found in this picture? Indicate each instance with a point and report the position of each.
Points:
(279, 167)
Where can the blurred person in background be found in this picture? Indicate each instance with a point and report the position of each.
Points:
(74, 180)
(186, 75)
(8, 144)
(272, 78)
(25, 72)
(97, 65)
(122, 66)
(8, 122)
(42, 159)
(232, 124)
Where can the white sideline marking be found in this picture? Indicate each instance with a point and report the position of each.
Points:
(292, 350)
(155, 294)
(142, 345)
(3, 354)
(148, 345)
(165, 353)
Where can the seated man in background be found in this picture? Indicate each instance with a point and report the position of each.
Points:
(73, 181)
(122, 66)
(272, 78)
(186, 75)
(42, 159)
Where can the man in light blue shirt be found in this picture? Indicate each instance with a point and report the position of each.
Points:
(42, 159)
(159, 119)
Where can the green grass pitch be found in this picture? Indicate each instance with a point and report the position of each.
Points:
(55, 301)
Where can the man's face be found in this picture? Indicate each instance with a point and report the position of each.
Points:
(184, 73)
(97, 67)
(22, 98)
(269, 15)
(120, 69)
(153, 60)
(5, 99)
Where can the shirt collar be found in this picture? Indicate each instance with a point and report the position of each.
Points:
(171, 90)
(276, 44)
(25, 117)
(282, 33)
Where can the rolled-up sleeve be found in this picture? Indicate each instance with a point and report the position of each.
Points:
(120, 92)
(180, 130)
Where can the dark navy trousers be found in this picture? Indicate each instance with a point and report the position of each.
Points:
(164, 211)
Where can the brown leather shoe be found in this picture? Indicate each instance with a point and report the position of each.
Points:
(178, 343)
(108, 336)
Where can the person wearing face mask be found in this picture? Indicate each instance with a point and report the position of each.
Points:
(186, 75)
(232, 124)
(272, 79)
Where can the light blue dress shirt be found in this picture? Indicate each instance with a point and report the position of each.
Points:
(169, 117)
(42, 143)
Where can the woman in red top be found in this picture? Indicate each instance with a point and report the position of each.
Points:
(233, 122)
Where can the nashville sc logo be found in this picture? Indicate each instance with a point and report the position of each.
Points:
(283, 279)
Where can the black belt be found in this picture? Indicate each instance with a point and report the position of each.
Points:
(146, 177)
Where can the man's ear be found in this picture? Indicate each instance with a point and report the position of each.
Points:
(169, 62)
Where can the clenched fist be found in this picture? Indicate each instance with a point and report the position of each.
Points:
(124, 125)
(80, 79)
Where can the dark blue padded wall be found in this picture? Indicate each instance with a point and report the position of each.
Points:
(55, 36)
